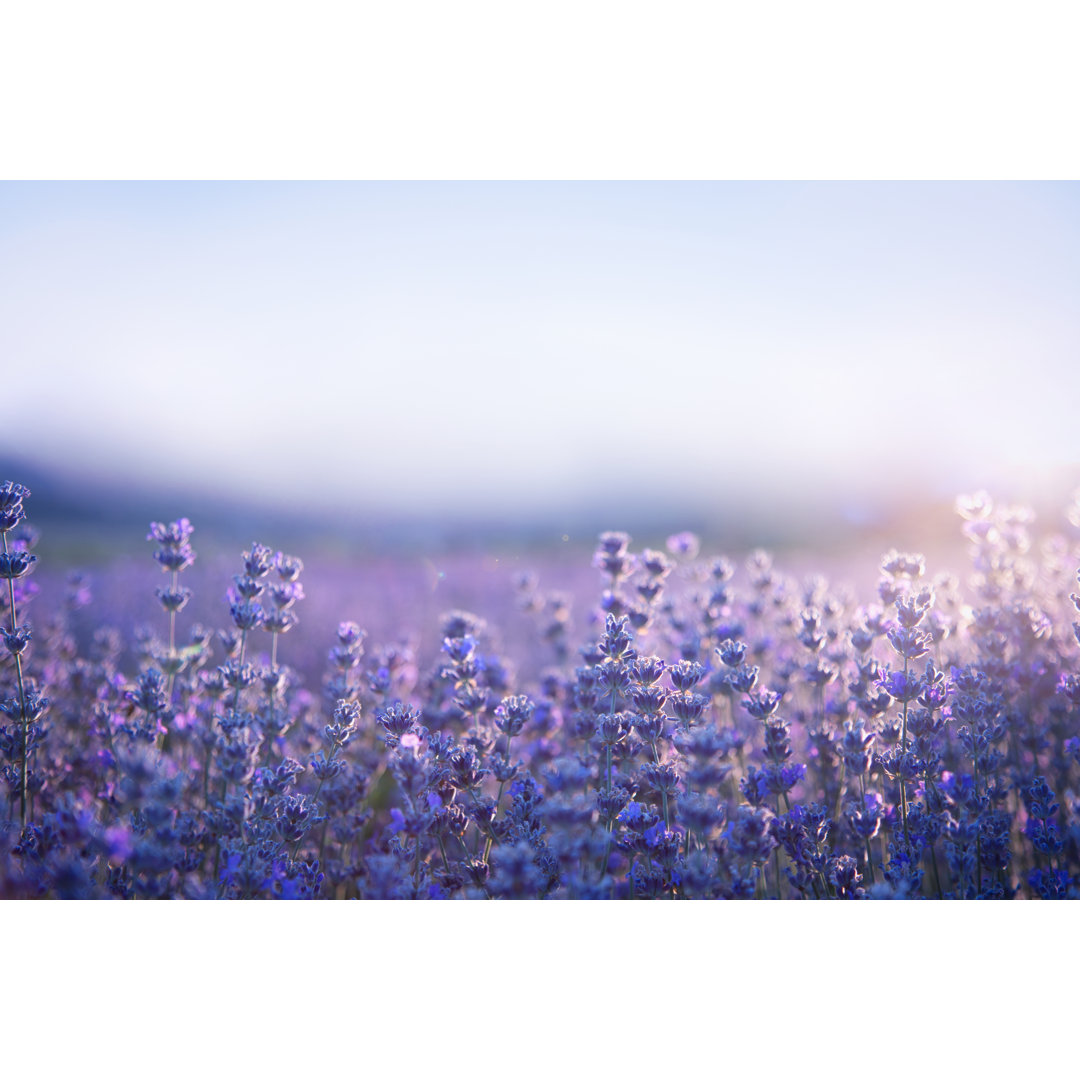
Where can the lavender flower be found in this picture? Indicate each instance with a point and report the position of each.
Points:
(928, 743)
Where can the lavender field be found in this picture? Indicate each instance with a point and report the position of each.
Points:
(673, 723)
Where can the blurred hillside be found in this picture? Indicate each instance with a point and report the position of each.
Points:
(84, 519)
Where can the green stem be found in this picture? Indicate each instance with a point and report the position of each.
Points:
(776, 855)
(488, 830)
(243, 644)
(270, 695)
(498, 798)
(24, 773)
(172, 636)
(840, 790)
(161, 741)
(903, 747)
(314, 798)
(978, 838)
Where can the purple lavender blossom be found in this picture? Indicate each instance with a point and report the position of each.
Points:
(689, 726)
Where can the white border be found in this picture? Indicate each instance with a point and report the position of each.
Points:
(224, 89)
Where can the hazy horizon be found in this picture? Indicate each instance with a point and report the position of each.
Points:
(506, 348)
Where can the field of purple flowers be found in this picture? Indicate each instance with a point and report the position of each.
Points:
(675, 726)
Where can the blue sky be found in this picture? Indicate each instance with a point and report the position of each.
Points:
(503, 346)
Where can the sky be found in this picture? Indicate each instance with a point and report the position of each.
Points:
(503, 347)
